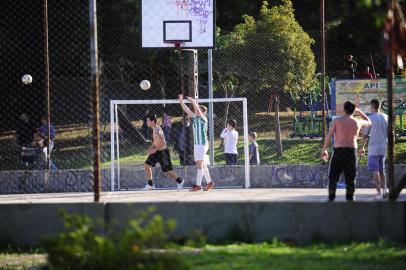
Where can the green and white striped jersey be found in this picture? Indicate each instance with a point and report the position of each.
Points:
(199, 130)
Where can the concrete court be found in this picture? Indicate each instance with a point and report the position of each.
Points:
(215, 195)
(298, 215)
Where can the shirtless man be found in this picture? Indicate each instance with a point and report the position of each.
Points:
(158, 152)
(345, 130)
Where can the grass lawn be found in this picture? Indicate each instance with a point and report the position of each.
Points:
(266, 256)
(296, 151)
(21, 261)
(277, 256)
(73, 148)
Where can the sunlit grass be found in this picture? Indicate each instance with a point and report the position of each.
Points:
(270, 256)
(275, 256)
(73, 148)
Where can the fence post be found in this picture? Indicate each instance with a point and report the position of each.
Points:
(323, 68)
(46, 80)
(96, 99)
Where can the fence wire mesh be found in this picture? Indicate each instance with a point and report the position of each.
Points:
(280, 81)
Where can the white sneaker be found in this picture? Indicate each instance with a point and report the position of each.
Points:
(378, 197)
(385, 193)
(148, 187)
(180, 185)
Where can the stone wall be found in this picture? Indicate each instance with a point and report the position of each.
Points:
(26, 224)
(264, 176)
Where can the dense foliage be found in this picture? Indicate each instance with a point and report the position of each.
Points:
(86, 244)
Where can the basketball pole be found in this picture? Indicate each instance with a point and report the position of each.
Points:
(96, 99)
(211, 107)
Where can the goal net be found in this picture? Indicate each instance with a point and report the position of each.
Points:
(130, 138)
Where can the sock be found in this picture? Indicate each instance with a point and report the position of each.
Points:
(150, 183)
(206, 175)
(199, 177)
(178, 180)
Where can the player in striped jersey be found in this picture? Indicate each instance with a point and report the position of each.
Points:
(201, 144)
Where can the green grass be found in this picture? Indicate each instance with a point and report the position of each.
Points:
(275, 256)
(296, 151)
(74, 147)
(23, 261)
(268, 256)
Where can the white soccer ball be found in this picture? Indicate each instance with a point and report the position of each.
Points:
(26, 79)
(145, 84)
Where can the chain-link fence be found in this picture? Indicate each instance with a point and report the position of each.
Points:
(23, 105)
(279, 78)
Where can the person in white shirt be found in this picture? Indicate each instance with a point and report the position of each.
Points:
(377, 137)
(230, 136)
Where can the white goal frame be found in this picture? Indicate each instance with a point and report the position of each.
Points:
(114, 132)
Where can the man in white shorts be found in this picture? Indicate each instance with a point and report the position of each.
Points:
(201, 144)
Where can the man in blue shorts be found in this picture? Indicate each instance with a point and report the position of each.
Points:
(377, 137)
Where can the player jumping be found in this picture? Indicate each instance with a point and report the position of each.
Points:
(158, 152)
(200, 142)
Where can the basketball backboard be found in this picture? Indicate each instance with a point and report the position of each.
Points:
(188, 23)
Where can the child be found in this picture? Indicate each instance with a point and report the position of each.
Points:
(253, 149)
(230, 136)
(43, 130)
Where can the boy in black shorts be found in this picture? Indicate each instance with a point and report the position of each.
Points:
(159, 153)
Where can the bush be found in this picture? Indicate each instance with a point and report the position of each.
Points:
(86, 244)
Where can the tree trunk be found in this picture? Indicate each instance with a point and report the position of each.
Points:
(394, 192)
(278, 140)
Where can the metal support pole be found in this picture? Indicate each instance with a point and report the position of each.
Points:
(112, 140)
(391, 167)
(323, 68)
(96, 99)
(187, 128)
(211, 107)
(192, 87)
(246, 150)
(46, 79)
(389, 69)
(117, 126)
(196, 73)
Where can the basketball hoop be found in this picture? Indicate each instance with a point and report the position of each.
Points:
(178, 44)
(162, 22)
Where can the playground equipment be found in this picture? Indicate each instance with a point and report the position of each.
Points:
(309, 123)
(399, 111)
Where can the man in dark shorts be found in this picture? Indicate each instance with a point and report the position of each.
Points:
(345, 130)
(159, 153)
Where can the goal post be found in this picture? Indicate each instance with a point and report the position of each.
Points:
(117, 116)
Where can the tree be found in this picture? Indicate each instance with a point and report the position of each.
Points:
(273, 53)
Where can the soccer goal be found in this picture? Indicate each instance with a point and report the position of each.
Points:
(130, 137)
